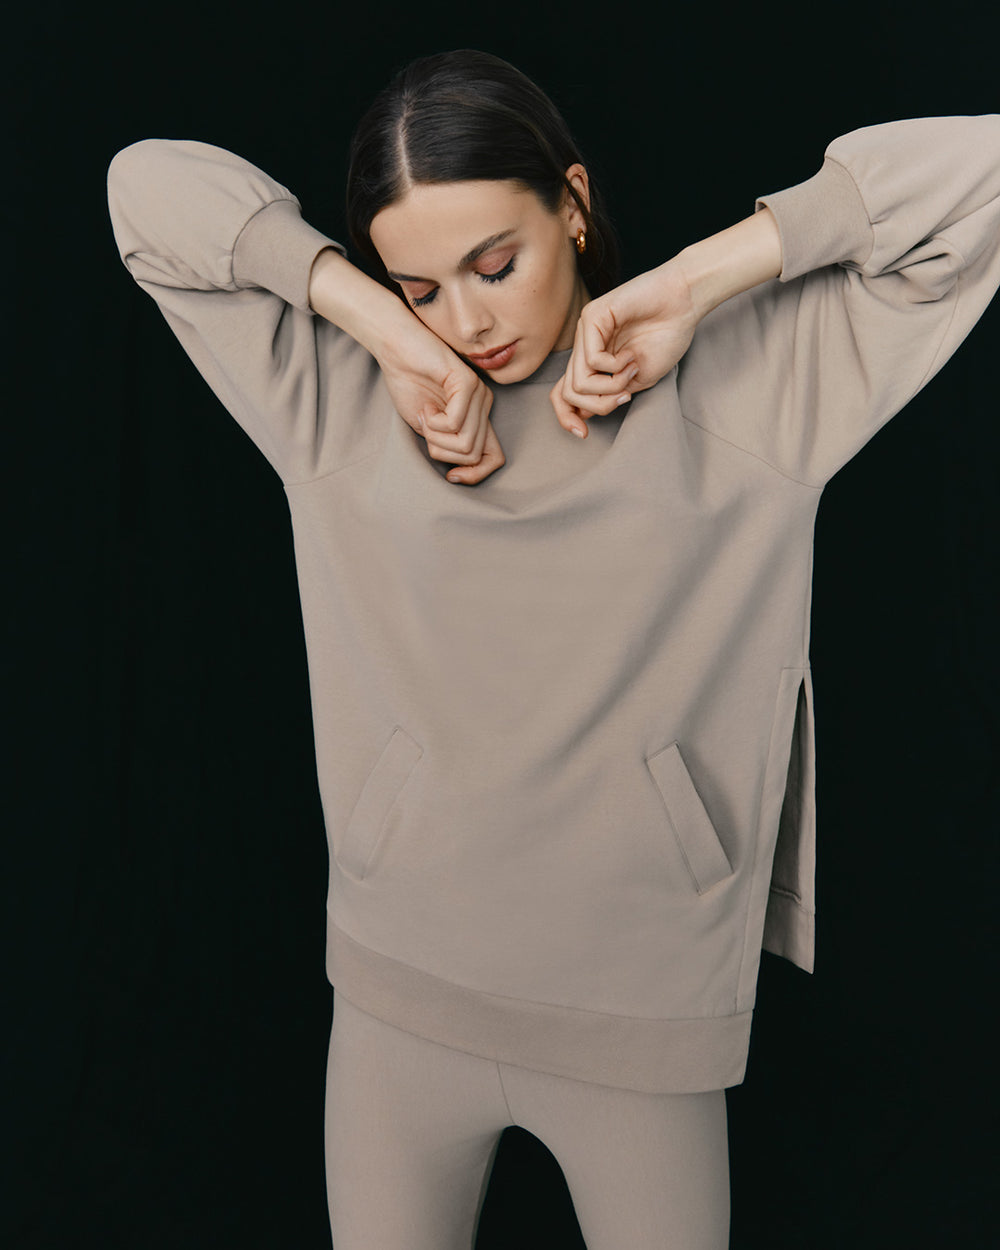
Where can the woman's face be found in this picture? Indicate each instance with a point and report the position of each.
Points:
(486, 266)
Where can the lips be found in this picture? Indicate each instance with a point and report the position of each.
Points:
(495, 359)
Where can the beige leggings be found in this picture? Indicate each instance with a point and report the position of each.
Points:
(412, 1128)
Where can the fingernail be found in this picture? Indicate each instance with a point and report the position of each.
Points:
(577, 431)
(631, 373)
(623, 399)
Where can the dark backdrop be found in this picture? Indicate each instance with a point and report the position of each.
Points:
(166, 1009)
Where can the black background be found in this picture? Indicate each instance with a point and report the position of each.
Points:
(165, 1002)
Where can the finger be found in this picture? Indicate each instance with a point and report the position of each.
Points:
(473, 434)
(598, 405)
(568, 415)
(459, 387)
(485, 455)
(586, 406)
(609, 378)
(598, 342)
(420, 417)
(491, 460)
(463, 414)
(585, 382)
(477, 421)
(452, 423)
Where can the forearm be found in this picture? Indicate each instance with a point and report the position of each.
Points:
(735, 259)
(365, 309)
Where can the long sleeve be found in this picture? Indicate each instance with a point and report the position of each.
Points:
(224, 251)
(890, 255)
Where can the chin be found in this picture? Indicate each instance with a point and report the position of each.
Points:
(524, 364)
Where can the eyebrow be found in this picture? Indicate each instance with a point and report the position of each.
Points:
(467, 259)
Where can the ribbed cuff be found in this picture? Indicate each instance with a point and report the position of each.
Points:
(790, 930)
(822, 221)
(275, 250)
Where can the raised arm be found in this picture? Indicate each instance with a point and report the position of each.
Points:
(239, 276)
(890, 254)
(223, 250)
(800, 330)
(648, 323)
(733, 260)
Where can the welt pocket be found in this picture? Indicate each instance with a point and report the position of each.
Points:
(366, 827)
(704, 855)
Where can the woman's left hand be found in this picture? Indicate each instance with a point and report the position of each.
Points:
(625, 342)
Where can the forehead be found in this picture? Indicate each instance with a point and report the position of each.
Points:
(435, 224)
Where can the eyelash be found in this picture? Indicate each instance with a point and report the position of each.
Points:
(499, 276)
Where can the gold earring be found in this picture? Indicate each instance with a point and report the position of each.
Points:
(581, 240)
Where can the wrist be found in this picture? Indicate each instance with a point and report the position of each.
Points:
(733, 260)
(366, 310)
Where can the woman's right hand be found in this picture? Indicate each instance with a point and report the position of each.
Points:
(433, 389)
(439, 396)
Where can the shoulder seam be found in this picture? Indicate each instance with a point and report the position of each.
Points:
(308, 481)
(753, 456)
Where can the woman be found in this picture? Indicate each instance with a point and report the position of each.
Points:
(560, 686)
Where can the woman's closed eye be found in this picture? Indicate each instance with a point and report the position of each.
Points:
(419, 301)
(499, 274)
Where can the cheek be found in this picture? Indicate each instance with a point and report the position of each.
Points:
(554, 289)
(437, 317)
(547, 288)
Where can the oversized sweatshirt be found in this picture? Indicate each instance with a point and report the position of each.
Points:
(563, 717)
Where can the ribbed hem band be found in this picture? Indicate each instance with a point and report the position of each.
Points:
(627, 1052)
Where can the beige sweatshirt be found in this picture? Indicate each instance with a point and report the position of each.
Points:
(563, 717)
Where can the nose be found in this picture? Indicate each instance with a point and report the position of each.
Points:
(473, 320)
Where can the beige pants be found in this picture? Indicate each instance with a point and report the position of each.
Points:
(412, 1128)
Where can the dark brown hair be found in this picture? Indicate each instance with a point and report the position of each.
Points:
(468, 115)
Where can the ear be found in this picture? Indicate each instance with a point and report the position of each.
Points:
(576, 176)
